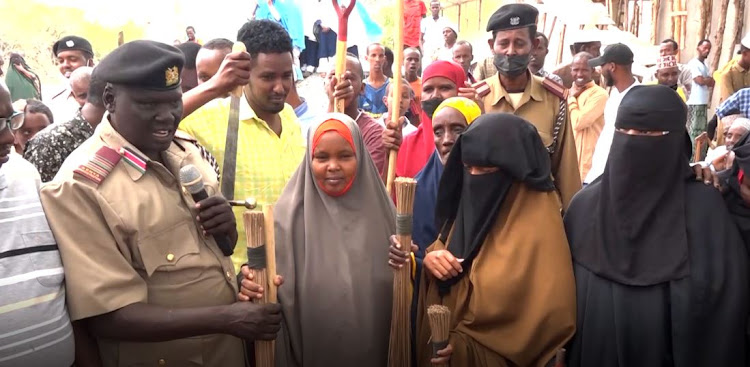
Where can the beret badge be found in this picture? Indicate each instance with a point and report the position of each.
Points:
(172, 76)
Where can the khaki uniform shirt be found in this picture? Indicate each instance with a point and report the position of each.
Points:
(733, 80)
(133, 238)
(540, 107)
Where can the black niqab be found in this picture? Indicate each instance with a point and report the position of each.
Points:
(638, 234)
(470, 203)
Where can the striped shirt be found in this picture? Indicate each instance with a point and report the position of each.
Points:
(34, 326)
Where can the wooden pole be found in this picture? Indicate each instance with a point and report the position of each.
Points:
(120, 38)
(562, 44)
(739, 16)
(655, 5)
(720, 34)
(552, 29)
(343, 15)
(398, 56)
(683, 26)
(704, 26)
(676, 29)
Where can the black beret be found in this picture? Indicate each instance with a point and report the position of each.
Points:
(71, 43)
(512, 16)
(145, 64)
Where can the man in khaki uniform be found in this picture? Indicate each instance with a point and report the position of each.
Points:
(738, 75)
(540, 101)
(142, 268)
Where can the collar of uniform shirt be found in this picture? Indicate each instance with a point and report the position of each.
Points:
(536, 90)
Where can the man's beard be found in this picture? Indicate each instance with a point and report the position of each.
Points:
(608, 78)
(429, 106)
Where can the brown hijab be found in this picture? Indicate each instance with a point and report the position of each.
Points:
(332, 252)
(515, 303)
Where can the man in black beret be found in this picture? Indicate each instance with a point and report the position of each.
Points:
(142, 267)
(71, 53)
(539, 100)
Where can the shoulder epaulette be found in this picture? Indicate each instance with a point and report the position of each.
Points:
(555, 88)
(180, 135)
(482, 88)
(97, 169)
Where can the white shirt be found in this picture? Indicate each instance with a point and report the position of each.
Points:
(698, 93)
(601, 151)
(433, 31)
(406, 129)
(63, 106)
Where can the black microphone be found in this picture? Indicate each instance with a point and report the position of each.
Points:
(192, 180)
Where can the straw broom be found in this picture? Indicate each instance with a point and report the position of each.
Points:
(440, 319)
(262, 262)
(399, 347)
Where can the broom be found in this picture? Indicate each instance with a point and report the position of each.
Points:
(399, 347)
(440, 318)
(262, 262)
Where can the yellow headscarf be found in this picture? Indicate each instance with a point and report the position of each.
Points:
(467, 107)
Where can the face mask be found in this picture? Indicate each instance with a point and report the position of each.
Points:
(511, 66)
(429, 106)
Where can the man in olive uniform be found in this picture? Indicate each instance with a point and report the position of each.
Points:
(142, 268)
(539, 100)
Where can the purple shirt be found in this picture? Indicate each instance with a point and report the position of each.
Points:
(372, 136)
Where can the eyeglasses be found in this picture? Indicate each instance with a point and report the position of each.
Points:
(14, 122)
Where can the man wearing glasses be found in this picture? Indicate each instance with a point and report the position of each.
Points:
(34, 323)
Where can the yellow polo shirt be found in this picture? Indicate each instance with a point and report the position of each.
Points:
(265, 161)
(679, 90)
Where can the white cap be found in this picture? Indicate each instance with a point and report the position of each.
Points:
(746, 41)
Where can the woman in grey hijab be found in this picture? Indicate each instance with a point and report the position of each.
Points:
(333, 221)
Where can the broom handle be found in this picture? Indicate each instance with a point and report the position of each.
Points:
(398, 55)
(270, 252)
(343, 15)
(254, 223)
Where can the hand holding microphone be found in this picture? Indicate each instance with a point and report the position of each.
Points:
(214, 213)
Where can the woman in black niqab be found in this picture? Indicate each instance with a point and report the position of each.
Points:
(661, 272)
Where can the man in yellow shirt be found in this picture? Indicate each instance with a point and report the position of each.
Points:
(736, 75)
(270, 145)
(668, 74)
(586, 102)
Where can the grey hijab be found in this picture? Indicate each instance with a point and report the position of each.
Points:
(333, 254)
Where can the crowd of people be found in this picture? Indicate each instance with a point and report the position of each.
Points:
(553, 211)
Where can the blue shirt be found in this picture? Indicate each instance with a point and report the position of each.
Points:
(698, 93)
(740, 101)
(372, 101)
